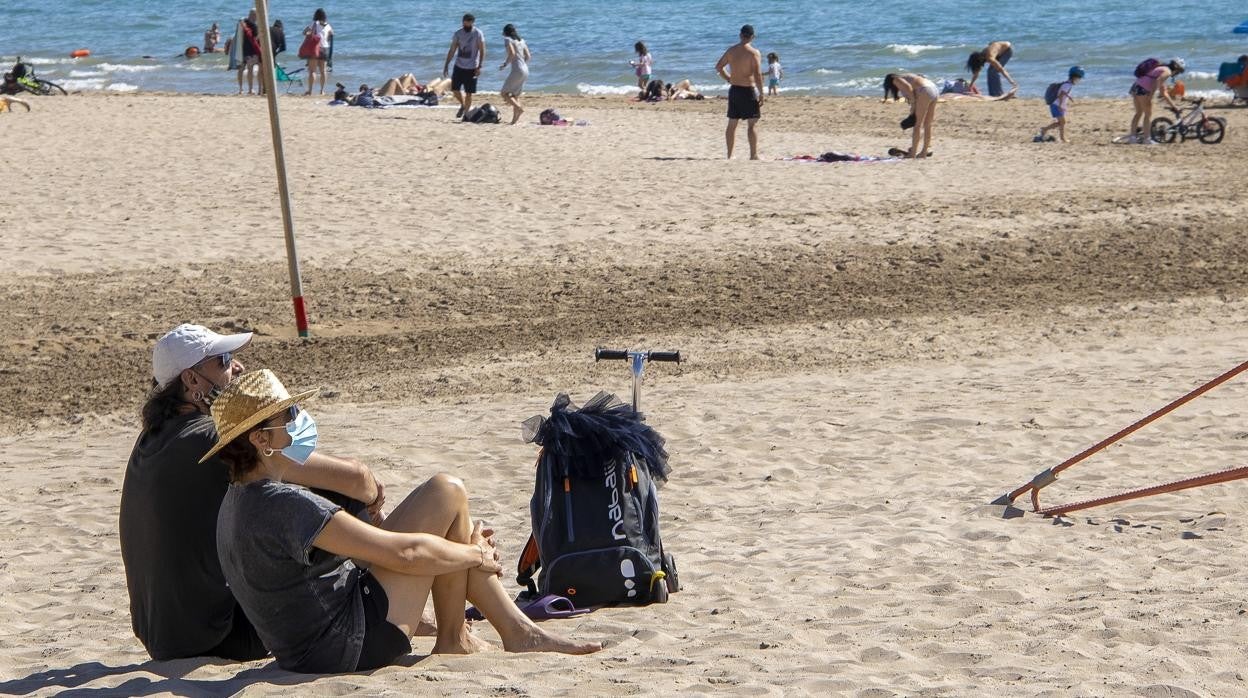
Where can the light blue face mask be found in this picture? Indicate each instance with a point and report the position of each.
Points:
(302, 438)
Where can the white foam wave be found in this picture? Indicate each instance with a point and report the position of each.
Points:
(588, 89)
(122, 87)
(47, 61)
(1200, 75)
(78, 85)
(858, 84)
(828, 71)
(86, 73)
(913, 49)
(118, 68)
(1214, 96)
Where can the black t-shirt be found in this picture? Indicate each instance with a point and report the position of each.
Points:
(180, 605)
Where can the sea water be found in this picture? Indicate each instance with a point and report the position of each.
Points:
(583, 46)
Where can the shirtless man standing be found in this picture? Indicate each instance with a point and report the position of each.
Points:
(995, 55)
(745, 95)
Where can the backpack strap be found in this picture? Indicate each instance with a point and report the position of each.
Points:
(530, 562)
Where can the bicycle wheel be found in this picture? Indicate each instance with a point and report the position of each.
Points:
(50, 88)
(1162, 130)
(1212, 130)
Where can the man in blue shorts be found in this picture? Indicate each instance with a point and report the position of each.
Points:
(468, 50)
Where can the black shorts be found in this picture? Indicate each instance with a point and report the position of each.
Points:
(1136, 90)
(242, 644)
(742, 103)
(463, 79)
(383, 641)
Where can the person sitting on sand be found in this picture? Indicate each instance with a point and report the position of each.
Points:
(288, 553)
(682, 90)
(922, 95)
(180, 605)
(1142, 90)
(995, 55)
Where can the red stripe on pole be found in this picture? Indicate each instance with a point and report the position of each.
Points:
(301, 317)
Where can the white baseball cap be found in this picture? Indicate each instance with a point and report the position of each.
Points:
(187, 345)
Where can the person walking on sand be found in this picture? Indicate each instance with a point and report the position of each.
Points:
(922, 95)
(774, 74)
(995, 55)
(741, 67)
(518, 58)
(468, 50)
(328, 592)
(1152, 82)
(315, 48)
(1060, 106)
(180, 604)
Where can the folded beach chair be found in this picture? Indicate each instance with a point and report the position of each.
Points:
(288, 79)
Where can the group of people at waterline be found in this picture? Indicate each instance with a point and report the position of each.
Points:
(742, 67)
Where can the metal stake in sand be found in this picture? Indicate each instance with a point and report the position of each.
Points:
(269, 79)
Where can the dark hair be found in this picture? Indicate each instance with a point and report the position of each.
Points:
(773, 57)
(239, 455)
(747, 30)
(469, 18)
(319, 15)
(510, 32)
(1175, 67)
(890, 88)
(640, 48)
(976, 60)
(162, 404)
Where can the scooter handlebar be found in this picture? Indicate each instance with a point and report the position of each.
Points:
(603, 354)
(673, 356)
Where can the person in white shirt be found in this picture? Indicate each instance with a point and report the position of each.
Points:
(1061, 106)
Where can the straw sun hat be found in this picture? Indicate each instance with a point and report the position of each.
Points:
(251, 399)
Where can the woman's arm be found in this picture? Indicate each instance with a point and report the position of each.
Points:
(511, 55)
(419, 554)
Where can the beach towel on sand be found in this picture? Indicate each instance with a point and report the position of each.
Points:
(834, 156)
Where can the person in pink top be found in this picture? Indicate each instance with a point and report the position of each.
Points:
(1142, 91)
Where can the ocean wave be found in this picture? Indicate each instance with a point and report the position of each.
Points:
(119, 68)
(79, 85)
(605, 89)
(828, 71)
(86, 73)
(913, 49)
(1200, 75)
(858, 84)
(122, 87)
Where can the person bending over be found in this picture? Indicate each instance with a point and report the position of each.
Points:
(288, 553)
(922, 95)
(995, 56)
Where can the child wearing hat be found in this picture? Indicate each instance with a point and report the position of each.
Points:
(1060, 106)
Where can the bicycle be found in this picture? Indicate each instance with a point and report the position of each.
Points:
(1193, 124)
(22, 78)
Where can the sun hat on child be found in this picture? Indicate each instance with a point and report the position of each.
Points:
(251, 399)
(186, 345)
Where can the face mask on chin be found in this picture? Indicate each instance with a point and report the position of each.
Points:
(209, 397)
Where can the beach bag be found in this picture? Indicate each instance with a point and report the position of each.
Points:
(485, 114)
(595, 507)
(311, 46)
(1050, 92)
(549, 117)
(1146, 66)
(430, 99)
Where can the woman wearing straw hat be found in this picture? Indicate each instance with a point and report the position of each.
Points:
(287, 552)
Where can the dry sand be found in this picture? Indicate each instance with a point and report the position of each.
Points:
(876, 351)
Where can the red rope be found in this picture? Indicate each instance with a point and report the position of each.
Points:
(1198, 481)
(1141, 423)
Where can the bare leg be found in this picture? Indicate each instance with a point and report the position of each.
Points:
(1061, 129)
(240, 79)
(439, 506)
(311, 68)
(751, 132)
(516, 109)
(321, 65)
(519, 633)
(929, 116)
(730, 135)
(467, 102)
(914, 140)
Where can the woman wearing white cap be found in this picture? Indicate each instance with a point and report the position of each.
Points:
(180, 605)
(287, 552)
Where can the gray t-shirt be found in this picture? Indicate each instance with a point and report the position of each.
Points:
(469, 43)
(304, 602)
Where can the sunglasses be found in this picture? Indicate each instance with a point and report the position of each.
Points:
(291, 412)
(227, 359)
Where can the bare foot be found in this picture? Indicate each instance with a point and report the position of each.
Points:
(464, 643)
(538, 640)
(516, 116)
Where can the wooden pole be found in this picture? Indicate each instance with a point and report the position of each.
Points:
(269, 79)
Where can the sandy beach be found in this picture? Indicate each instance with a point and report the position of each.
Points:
(875, 352)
